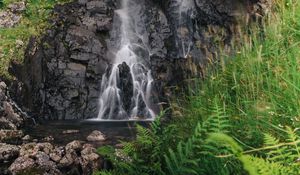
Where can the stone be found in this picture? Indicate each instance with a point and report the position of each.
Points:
(97, 7)
(3, 86)
(90, 160)
(8, 152)
(40, 163)
(96, 136)
(69, 159)
(48, 139)
(76, 67)
(6, 124)
(71, 131)
(45, 147)
(11, 115)
(57, 154)
(10, 134)
(28, 149)
(17, 7)
(74, 145)
(21, 164)
(19, 43)
(26, 138)
(43, 161)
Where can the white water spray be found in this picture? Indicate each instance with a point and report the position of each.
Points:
(132, 50)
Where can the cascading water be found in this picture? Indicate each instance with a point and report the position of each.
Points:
(186, 9)
(130, 55)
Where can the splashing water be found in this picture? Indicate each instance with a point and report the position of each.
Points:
(130, 55)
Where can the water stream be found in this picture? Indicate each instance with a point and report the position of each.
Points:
(130, 54)
(184, 41)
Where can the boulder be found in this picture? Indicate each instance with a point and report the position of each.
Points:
(8, 152)
(57, 154)
(21, 164)
(90, 160)
(96, 136)
(6, 135)
(74, 145)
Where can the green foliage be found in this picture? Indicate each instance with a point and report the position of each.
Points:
(34, 21)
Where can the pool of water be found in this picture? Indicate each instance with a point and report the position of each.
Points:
(114, 130)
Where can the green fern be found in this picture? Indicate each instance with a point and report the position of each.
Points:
(186, 158)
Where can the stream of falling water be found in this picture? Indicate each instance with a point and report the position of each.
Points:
(184, 30)
(132, 43)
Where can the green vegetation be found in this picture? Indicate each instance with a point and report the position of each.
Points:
(33, 23)
(243, 113)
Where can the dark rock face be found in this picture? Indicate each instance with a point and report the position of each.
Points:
(125, 85)
(62, 73)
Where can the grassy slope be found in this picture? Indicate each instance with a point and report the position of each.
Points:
(34, 22)
(260, 87)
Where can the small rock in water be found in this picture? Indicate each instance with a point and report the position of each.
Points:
(48, 139)
(26, 138)
(96, 136)
(70, 131)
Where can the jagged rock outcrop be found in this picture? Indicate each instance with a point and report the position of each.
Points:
(45, 158)
(62, 71)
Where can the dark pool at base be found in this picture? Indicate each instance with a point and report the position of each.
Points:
(114, 130)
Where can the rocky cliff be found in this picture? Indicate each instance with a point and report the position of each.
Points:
(62, 70)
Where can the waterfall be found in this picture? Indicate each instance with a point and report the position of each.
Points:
(184, 42)
(130, 52)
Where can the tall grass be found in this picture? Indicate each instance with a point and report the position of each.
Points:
(260, 86)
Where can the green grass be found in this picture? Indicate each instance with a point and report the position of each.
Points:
(260, 86)
(33, 23)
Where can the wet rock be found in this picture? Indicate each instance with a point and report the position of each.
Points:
(8, 152)
(126, 86)
(96, 136)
